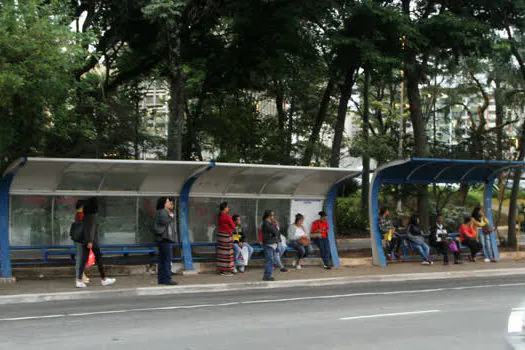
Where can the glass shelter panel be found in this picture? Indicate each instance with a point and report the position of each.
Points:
(31, 221)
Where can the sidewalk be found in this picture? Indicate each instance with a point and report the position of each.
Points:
(49, 289)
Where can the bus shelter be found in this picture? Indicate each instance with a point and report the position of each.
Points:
(38, 196)
(426, 171)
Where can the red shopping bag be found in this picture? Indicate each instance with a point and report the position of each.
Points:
(91, 258)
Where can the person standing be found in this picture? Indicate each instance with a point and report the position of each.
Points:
(443, 243)
(480, 221)
(299, 240)
(270, 240)
(467, 235)
(281, 245)
(241, 248)
(225, 227)
(91, 241)
(320, 232)
(79, 218)
(164, 230)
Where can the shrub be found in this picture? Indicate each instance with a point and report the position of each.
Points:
(349, 218)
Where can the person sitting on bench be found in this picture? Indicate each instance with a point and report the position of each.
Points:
(415, 236)
(242, 250)
(467, 236)
(299, 240)
(389, 235)
(443, 243)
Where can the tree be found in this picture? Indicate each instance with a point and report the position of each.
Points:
(38, 54)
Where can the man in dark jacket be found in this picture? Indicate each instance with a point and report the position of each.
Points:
(91, 241)
(164, 232)
(270, 236)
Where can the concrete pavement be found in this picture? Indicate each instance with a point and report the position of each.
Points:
(51, 289)
(434, 314)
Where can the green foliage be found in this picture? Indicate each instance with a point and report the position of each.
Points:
(349, 217)
(38, 53)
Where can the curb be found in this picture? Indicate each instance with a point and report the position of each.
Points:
(225, 287)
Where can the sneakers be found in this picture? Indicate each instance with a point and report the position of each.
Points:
(487, 260)
(298, 267)
(241, 269)
(85, 279)
(425, 263)
(80, 284)
(234, 270)
(268, 279)
(294, 263)
(389, 257)
(226, 274)
(108, 282)
(284, 269)
(326, 267)
(170, 283)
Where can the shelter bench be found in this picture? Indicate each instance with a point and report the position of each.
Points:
(106, 250)
(406, 247)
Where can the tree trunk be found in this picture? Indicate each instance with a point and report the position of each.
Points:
(513, 206)
(321, 116)
(420, 137)
(281, 120)
(346, 93)
(176, 104)
(365, 182)
(500, 114)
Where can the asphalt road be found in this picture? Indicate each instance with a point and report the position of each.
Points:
(446, 314)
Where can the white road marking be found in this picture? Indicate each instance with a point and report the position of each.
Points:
(264, 301)
(389, 315)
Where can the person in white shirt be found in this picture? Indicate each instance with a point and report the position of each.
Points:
(443, 243)
(299, 240)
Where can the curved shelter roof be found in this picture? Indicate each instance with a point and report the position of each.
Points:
(268, 181)
(104, 177)
(429, 171)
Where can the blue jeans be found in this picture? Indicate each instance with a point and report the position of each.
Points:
(302, 251)
(164, 266)
(423, 250)
(269, 256)
(488, 250)
(237, 252)
(278, 255)
(324, 248)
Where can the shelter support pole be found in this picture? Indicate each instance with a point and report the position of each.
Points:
(330, 207)
(184, 217)
(5, 256)
(488, 213)
(5, 186)
(378, 254)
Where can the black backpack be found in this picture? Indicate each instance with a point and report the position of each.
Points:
(76, 232)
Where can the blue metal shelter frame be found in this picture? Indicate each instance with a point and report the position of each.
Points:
(425, 171)
(124, 178)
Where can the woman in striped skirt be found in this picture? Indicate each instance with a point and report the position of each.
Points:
(225, 226)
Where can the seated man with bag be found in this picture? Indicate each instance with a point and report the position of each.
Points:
(299, 240)
(443, 243)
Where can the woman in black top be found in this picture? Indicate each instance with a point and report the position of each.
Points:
(414, 235)
(91, 240)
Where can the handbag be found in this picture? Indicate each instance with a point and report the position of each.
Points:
(304, 241)
(452, 246)
(487, 229)
(76, 232)
(91, 258)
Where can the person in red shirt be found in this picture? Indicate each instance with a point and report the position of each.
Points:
(320, 234)
(467, 236)
(225, 227)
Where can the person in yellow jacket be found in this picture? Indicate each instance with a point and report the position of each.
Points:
(484, 230)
